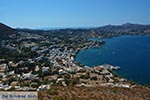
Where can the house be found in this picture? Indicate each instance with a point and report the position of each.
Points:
(45, 69)
(3, 67)
(27, 76)
(61, 72)
(43, 87)
(11, 73)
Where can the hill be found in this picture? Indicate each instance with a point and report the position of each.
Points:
(95, 93)
(5, 30)
(124, 28)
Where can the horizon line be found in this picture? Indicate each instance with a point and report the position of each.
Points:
(71, 27)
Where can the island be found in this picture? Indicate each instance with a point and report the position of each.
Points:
(44, 61)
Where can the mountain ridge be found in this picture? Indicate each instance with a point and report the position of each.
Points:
(124, 28)
(5, 29)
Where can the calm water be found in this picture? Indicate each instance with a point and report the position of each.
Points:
(131, 53)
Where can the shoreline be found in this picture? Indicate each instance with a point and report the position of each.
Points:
(114, 73)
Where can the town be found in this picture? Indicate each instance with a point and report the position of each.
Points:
(44, 61)
(33, 62)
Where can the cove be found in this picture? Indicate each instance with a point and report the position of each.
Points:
(131, 53)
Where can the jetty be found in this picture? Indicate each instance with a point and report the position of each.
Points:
(110, 67)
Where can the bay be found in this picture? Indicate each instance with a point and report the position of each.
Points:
(131, 53)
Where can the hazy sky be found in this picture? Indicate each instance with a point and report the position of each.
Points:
(73, 13)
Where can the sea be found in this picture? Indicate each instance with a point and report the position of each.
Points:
(130, 53)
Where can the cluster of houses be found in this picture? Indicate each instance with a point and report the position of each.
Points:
(51, 58)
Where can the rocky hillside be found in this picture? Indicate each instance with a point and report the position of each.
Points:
(95, 93)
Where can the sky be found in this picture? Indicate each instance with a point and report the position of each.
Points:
(73, 13)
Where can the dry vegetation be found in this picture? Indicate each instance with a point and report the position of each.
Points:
(94, 93)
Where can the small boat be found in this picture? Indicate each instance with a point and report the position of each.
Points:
(116, 68)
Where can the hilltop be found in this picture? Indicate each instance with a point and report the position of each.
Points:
(5, 30)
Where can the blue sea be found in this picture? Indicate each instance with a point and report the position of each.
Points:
(131, 53)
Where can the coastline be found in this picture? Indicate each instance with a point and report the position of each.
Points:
(113, 72)
(122, 79)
